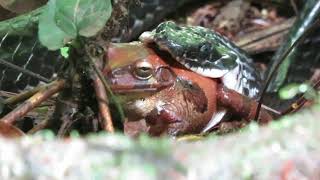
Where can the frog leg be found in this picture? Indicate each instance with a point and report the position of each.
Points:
(216, 119)
(229, 80)
(162, 121)
(135, 128)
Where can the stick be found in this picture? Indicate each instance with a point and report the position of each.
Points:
(43, 124)
(34, 101)
(106, 86)
(22, 96)
(100, 86)
(10, 131)
(24, 71)
(266, 39)
(103, 106)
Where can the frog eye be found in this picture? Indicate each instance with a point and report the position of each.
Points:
(143, 70)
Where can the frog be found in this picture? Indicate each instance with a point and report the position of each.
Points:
(209, 54)
(169, 98)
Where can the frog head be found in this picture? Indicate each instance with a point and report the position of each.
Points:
(134, 71)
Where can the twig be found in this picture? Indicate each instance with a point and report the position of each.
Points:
(43, 124)
(9, 131)
(107, 87)
(34, 101)
(7, 94)
(22, 96)
(67, 122)
(103, 106)
(258, 35)
(266, 39)
(282, 58)
(270, 43)
(101, 85)
(24, 71)
(294, 7)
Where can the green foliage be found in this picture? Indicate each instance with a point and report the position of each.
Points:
(63, 21)
(46, 134)
(50, 35)
(64, 51)
(292, 90)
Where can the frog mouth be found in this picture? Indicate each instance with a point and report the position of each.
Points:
(155, 87)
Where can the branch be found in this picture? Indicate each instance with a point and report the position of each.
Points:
(103, 104)
(107, 87)
(24, 71)
(22, 96)
(34, 101)
(266, 39)
(9, 131)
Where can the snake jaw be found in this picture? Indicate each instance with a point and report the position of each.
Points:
(147, 37)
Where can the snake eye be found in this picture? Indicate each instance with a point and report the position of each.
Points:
(143, 70)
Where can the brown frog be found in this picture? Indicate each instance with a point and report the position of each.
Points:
(168, 98)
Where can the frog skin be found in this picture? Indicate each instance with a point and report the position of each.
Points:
(171, 99)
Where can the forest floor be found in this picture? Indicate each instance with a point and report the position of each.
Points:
(285, 149)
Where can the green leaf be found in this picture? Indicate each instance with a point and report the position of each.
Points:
(64, 52)
(49, 34)
(65, 24)
(64, 16)
(82, 17)
(291, 90)
(64, 20)
(95, 17)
